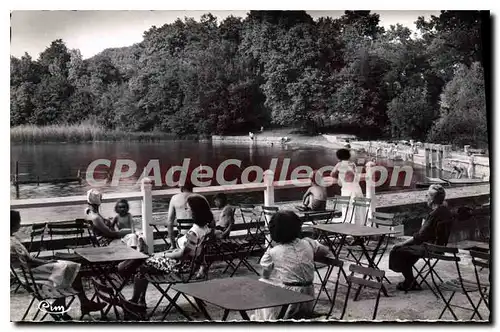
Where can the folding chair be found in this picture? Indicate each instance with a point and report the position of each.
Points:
(107, 294)
(374, 250)
(241, 248)
(74, 228)
(160, 234)
(457, 285)
(40, 293)
(132, 311)
(360, 203)
(481, 260)
(342, 202)
(430, 262)
(184, 274)
(365, 271)
(36, 235)
(312, 218)
(268, 212)
(330, 263)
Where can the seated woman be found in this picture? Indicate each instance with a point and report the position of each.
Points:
(226, 218)
(170, 260)
(315, 197)
(435, 229)
(52, 273)
(102, 227)
(290, 264)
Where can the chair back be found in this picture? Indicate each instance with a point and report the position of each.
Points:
(73, 228)
(433, 251)
(363, 203)
(382, 219)
(24, 275)
(322, 217)
(365, 271)
(37, 234)
(379, 275)
(184, 225)
(131, 310)
(103, 292)
(268, 212)
(480, 259)
(340, 202)
(248, 213)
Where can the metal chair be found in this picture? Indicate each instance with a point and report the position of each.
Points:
(107, 294)
(457, 285)
(74, 228)
(342, 202)
(360, 203)
(185, 273)
(481, 261)
(40, 293)
(352, 279)
(132, 311)
(37, 236)
(312, 218)
(331, 264)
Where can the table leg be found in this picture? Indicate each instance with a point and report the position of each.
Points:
(283, 311)
(226, 313)
(203, 309)
(244, 315)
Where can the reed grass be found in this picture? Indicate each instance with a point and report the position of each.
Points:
(84, 132)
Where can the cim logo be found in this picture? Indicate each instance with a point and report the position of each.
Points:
(46, 307)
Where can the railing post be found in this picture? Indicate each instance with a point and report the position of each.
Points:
(370, 188)
(269, 191)
(147, 213)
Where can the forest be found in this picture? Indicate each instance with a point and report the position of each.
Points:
(271, 69)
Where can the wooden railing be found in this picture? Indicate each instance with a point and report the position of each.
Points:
(146, 196)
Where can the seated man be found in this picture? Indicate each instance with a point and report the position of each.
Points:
(315, 197)
(226, 218)
(435, 230)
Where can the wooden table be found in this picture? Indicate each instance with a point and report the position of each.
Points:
(240, 294)
(357, 232)
(97, 256)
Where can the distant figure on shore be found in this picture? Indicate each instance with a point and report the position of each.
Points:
(458, 171)
(470, 169)
(347, 145)
(315, 197)
(261, 129)
(250, 134)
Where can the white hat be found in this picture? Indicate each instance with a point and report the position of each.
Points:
(94, 197)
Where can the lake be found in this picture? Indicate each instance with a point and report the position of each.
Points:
(60, 160)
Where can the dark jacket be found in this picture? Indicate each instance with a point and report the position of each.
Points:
(436, 228)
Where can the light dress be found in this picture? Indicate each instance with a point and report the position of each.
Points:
(345, 172)
(292, 268)
(59, 274)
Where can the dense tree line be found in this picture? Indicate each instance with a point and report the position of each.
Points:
(272, 68)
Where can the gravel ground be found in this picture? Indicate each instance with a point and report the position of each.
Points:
(412, 306)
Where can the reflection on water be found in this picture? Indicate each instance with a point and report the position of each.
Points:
(50, 161)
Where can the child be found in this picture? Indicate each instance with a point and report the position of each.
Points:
(123, 221)
(290, 264)
(226, 218)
